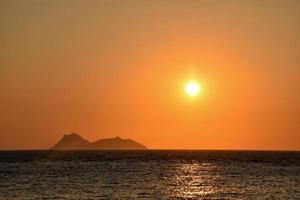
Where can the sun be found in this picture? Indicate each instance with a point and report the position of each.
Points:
(192, 88)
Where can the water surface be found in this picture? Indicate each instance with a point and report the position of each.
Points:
(149, 175)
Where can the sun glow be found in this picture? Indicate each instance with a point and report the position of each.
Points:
(192, 88)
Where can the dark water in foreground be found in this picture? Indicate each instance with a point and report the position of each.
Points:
(149, 175)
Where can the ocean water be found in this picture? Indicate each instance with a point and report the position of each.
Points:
(149, 175)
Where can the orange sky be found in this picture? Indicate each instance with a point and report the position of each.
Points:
(118, 68)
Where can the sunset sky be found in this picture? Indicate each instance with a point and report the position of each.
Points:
(119, 68)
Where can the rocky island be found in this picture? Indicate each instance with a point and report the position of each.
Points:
(74, 141)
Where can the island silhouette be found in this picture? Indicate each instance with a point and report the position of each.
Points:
(74, 141)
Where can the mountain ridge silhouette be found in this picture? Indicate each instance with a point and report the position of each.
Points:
(74, 141)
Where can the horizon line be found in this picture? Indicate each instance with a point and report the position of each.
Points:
(154, 149)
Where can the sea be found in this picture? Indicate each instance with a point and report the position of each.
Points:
(149, 174)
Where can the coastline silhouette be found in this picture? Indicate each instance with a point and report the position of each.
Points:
(74, 141)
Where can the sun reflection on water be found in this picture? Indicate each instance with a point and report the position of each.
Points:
(193, 180)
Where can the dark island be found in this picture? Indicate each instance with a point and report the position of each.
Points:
(74, 141)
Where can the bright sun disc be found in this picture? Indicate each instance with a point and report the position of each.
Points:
(192, 88)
